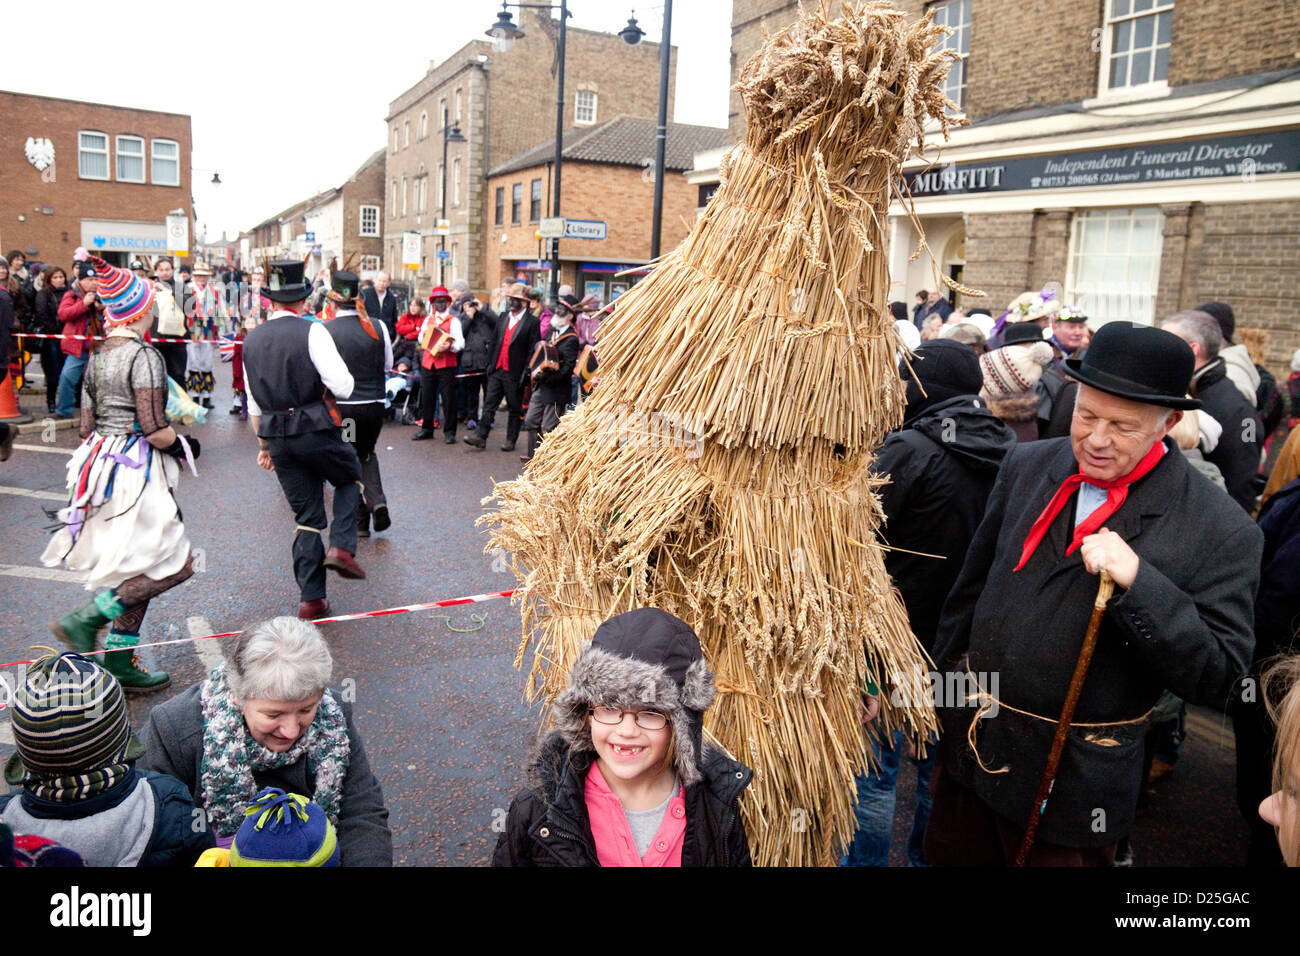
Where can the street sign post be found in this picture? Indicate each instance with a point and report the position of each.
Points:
(442, 227)
(583, 229)
(309, 237)
(552, 227)
(178, 235)
(410, 250)
(444, 253)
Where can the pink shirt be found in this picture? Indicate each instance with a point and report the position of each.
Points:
(613, 837)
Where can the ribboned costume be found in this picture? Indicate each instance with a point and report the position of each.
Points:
(1185, 624)
(289, 362)
(122, 525)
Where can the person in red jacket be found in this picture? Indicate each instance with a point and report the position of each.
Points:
(440, 341)
(81, 314)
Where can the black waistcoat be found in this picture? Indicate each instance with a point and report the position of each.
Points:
(363, 355)
(285, 384)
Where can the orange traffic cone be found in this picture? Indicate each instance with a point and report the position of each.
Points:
(10, 413)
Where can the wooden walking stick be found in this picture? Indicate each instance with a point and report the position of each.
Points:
(1039, 807)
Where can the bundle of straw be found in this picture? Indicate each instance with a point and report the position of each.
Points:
(721, 472)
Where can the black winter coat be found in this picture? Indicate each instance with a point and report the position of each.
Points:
(1277, 609)
(941, 467)
(45, 319)
(1237, 453)
(388, 314)
(1186, 624)
(548, 825)
(480, 332)
(556, 385)
(522, 342)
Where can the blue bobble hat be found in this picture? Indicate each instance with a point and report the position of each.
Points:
(284, 829)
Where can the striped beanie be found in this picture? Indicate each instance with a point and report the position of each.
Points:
(284, 829)
(69, 718)
(125, 295)
(1013, 369)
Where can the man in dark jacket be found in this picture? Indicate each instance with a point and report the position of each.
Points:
(516, 337)
(553, 377)
(1237, 454)
(940, 465)
(478, 325)
(382, 304)
(1114, 496)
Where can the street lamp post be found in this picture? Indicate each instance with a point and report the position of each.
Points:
(449, 135)
(632, 35)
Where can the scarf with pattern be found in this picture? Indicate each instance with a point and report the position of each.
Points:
(231, 755)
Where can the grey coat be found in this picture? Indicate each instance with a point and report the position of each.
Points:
(173, 742)
(1186, 624)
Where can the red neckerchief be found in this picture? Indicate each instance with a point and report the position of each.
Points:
(1116, 492)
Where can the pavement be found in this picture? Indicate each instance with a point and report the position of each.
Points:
(437, 701)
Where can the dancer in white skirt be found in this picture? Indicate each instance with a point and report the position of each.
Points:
(122, 525)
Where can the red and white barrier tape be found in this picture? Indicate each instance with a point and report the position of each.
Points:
(407, 609)
(100, 338)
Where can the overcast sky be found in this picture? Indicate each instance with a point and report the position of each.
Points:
(271, 85)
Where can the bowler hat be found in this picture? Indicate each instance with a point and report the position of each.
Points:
(1138, 362)
(285, 282)
(1021, 332)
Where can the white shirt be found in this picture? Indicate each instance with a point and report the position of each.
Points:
(324, 355)
(457, 337)
(388, 348)
(1091, 498)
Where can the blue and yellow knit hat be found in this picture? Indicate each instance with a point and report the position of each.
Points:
(284, 829)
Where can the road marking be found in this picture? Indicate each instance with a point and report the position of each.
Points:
(46, 448)
(42, 574)
(209, 651)
(29, 493)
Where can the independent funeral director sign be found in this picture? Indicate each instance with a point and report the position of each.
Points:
(1248, 156)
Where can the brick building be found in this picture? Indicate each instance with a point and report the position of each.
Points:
(1144, 154)
(114, 175)
(504, 104)
(363, 216)
(608, 180)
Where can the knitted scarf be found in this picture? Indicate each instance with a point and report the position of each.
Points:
(74, 788)
(231, 755)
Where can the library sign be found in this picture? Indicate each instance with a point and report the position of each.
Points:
(1255, 154)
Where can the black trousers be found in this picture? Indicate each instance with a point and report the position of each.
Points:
(303, 463)
(367, 421)
(51, 367)
(470, 391)
(502, 384)
(173, 354)
(438, 383)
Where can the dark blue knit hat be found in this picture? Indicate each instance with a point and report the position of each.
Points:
(284, 829)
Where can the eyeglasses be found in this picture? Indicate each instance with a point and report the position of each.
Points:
(645, 719)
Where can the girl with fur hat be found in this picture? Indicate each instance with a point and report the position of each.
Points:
(625, 779)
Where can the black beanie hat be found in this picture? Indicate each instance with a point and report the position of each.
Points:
(945, 369)
(1223, 314)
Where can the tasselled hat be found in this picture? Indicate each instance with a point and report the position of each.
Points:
(125, 295)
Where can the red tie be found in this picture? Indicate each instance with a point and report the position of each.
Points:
(1116, 492)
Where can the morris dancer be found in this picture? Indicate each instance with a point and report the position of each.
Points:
(122, 524)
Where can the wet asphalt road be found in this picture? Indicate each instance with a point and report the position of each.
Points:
(440, 710)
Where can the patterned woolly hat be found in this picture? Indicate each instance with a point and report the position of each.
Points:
(69, 718)
(644, 658)
(125, 295)
(1013, 369)
(284, 829)
(28, 851)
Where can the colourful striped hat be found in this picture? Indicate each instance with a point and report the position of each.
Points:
(69, 718)
(284, 829)
(125, 295)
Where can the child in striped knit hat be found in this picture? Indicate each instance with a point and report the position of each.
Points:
(75, 764)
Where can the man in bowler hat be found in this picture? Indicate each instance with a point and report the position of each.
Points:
(1114, 495)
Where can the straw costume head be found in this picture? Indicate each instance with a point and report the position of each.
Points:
(722, 469)
(125, 295)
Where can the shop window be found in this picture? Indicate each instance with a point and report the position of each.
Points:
(516, 202)
(92, 155)
(500, 218)
(584, 108)
(1114, 263)
(955, 14)
(535, 202)
(1135, 43)
(130, 159)
(369, 221)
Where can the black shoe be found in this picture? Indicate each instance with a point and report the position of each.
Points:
(363, 530)
(475, 441)
(234, 410)
(207, 402)
(422, 435)
(508, 446)
(381, 519)
(449, 439)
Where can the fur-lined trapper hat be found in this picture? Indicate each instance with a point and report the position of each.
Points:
(644, 658)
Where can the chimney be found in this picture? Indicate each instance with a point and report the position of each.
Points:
(431, 65)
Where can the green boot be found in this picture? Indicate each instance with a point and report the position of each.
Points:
(79, 629)
(124, 667)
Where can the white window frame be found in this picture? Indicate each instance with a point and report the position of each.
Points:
(442, 112)
(460, 103)
(370, 263)
(1118, 303)
(373, 230)
(424, 124)
(128, 139)
(406, 133)
(963, 58)
(81, 149)
(154, 158)
(455, 181)
(578, 107)
(394, 138)
(392, 206)
(406, 190)
(1153, 88)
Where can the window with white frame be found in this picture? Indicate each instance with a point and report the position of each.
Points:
(442, 112)
(956, 15)
(369, 220)
(406, 133)
(394, 138)
(1135, 45)
(584, 108)
(442, 186)
(165, 162)
(405, 193)
(424, 125)
(392, 205)
(460, 116)
(92, 155)
(1114, 264)
(370, 263)
(455, 182)
(130, 159)
(422, 190)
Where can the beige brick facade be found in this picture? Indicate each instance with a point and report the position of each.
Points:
(365, 188)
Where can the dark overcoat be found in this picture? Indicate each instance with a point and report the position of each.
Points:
(1185, 624)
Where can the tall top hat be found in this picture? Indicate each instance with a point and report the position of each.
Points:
(285, 281)
(344, 286)
(1138, 362)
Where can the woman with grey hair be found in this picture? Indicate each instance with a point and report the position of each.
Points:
(266, 718)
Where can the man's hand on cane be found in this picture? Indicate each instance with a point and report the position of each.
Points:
(1107, 551)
